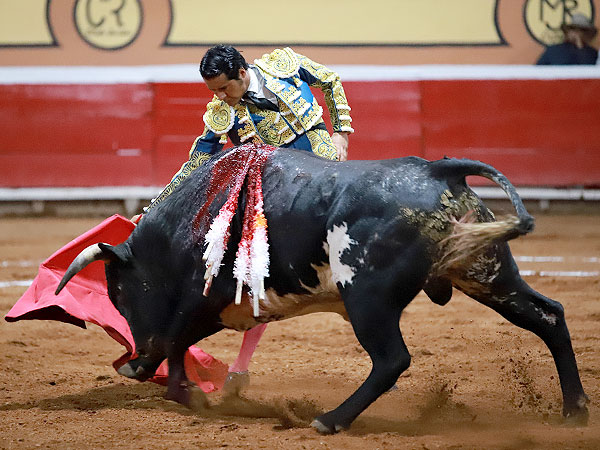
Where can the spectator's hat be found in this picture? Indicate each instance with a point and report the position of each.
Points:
(581, 22)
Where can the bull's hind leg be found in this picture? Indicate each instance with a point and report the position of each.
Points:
(532, 311)
(510, 296)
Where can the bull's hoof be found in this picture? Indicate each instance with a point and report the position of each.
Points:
(577, 415)
(577, 419)
(236, 382)
(321, 428)
(322, 425)
(198, 399)
(181, 395)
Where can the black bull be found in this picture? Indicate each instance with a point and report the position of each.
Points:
(360, 238)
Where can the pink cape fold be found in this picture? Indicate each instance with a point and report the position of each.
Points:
(85, 299)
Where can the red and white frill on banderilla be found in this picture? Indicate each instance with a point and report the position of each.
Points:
(252, 259)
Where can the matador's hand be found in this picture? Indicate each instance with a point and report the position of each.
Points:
(340, 140)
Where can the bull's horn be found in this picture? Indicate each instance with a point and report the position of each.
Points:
(87, 256)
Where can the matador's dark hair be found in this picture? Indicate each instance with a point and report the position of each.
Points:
(222, 59)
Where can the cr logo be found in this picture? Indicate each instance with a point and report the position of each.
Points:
(544, 18)
(108, 24)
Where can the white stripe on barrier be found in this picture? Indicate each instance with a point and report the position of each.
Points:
(148, 192)
(186, 73)
(79, 193)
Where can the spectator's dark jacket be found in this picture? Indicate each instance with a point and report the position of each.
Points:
(568, 54)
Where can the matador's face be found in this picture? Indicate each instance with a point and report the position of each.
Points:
(229, 91)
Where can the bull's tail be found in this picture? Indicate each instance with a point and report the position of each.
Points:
(455, 170)
(468, 238)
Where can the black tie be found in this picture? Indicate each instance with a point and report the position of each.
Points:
(261, 103)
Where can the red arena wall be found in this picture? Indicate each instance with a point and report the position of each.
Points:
(540, 131)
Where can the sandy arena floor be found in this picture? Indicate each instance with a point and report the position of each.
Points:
(476, 381)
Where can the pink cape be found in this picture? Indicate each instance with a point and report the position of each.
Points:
(85, 299)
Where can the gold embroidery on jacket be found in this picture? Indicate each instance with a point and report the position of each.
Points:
(273, 129)
(335, 97)
(219, 116)
(280, 63)
(300, 114)
(321, 143)
(247, 129)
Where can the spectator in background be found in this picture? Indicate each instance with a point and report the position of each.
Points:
(575, 49)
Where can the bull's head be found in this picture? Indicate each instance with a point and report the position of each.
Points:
(132, 294)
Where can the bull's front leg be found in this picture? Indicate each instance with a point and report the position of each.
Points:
(376, 327)
(179, 388)
(192, 325)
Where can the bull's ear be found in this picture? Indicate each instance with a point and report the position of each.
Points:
(116, 253)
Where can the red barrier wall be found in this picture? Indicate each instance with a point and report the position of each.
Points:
(76, 135)
(538, 132)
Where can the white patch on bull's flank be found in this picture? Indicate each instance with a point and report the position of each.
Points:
(338, 241)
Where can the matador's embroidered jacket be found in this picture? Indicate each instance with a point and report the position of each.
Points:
(289, 76)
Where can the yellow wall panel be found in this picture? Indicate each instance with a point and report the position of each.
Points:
(24, 22)
(335, 22)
